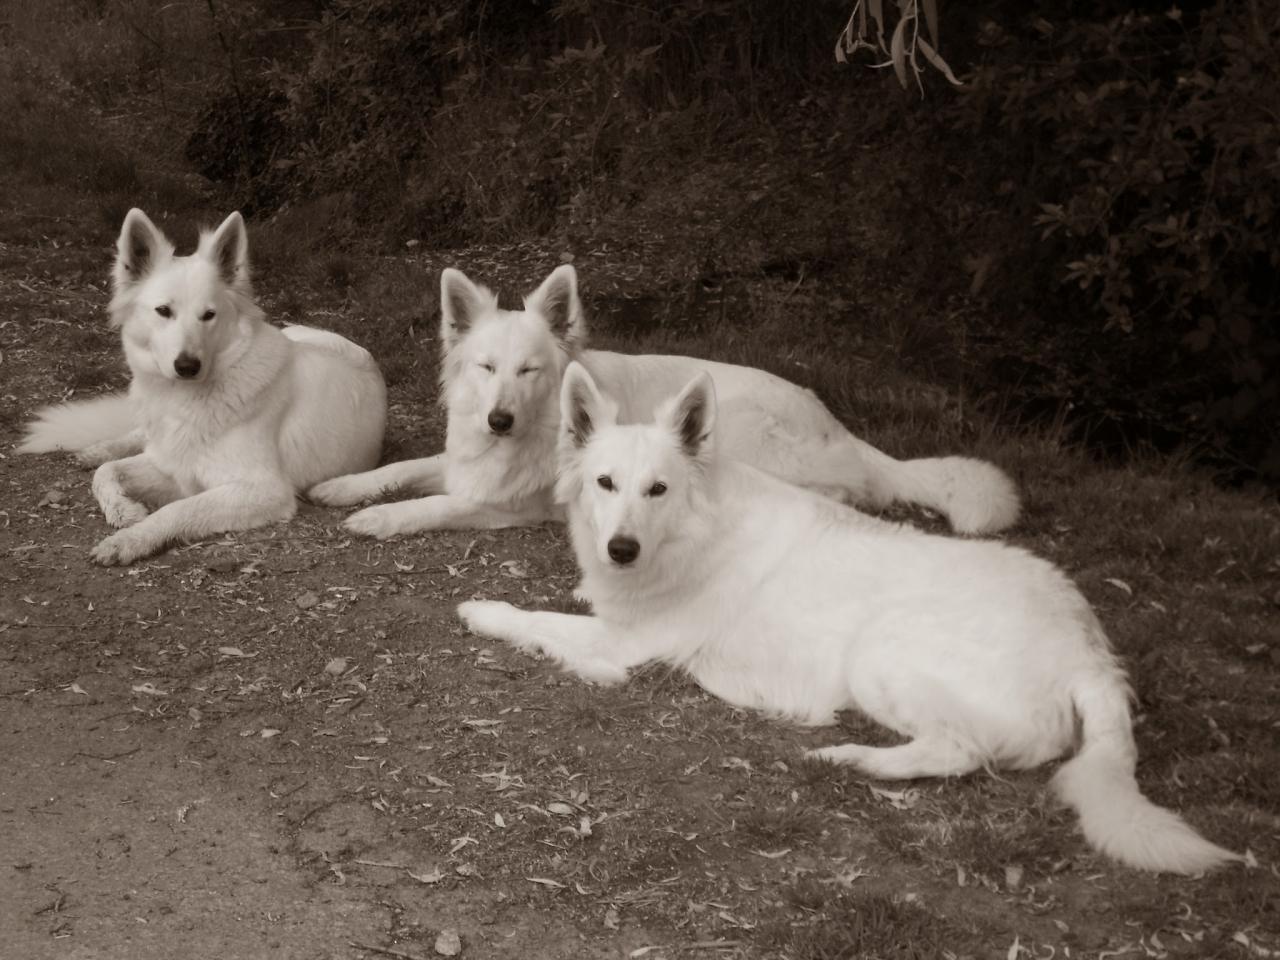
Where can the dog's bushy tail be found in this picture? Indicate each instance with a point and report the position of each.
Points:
(974, 495)
(74, 426)
(1099, 783)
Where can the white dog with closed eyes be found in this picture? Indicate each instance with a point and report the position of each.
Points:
(776, 598)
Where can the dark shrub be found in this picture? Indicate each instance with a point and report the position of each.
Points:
(1145, 148)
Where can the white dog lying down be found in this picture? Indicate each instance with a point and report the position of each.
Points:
(775, 598)
(500, 381)
(227, 417)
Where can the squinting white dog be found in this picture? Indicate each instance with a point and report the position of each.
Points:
(500, 379)
(778, 599)
(227, 417)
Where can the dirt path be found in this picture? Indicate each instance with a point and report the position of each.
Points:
(126, 839)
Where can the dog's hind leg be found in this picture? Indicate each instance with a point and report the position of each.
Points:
(424, 476)
(926, 756)
(126, 445)
(125, 488)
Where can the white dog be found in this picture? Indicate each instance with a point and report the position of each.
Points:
(227, 417)
(778, 599)
(500, 380)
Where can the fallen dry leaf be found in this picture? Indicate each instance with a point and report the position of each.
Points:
(900, 799)
(1013, 876)
(448, 943)
(461, 842)
(775, 855)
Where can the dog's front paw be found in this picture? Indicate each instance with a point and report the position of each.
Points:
(123, 512)
(487, 618)
(377, 522)
(121, 549)
(339, 492)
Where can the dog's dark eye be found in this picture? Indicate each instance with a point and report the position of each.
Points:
(523, 370)
(658, 489)
(605, 482)
(207, 315)
(164, 312)
(487, 367)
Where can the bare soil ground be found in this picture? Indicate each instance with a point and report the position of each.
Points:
(282, 742)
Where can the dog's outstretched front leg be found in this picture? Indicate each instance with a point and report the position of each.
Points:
(579, 643)
(123, 488)
(126, 445)
(425, 476)
(442, 512)
(231, 506)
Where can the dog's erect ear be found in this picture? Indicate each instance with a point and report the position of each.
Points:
(139, 248)
(228, 248)
(556, 300)
(583, 409)
(461, 302)
(691, 416)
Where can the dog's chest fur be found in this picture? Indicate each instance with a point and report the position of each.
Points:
(196, 430)
(507, 472)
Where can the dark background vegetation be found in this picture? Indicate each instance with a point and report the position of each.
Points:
(1087, 228)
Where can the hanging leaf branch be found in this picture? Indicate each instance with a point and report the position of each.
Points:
(906, 44)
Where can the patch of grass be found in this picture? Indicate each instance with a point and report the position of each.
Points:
(787, 824)
(824, 782)
(852, 925)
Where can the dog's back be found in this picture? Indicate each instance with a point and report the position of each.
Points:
(337, 402)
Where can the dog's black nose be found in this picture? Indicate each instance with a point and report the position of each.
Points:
(500, 421)
(623, 550)
(186, 366)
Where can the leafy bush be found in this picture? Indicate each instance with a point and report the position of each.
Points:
(457, 122)
(1145, 147)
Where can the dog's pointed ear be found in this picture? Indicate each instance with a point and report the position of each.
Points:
(556, 300)
(583, 408)
(691, 416)
(228, 248)
(139, 248)
(461, 302)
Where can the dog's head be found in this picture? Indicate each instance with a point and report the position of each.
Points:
(178, 314)
(501, 368)
(633, 489)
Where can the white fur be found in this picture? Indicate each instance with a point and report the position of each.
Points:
(512, 360)
(775, 598)
(269, 412)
